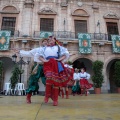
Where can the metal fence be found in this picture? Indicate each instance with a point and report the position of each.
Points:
(72, 35)
(66, 35)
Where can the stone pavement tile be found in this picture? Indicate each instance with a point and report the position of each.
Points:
(15, 108)
(92, 107)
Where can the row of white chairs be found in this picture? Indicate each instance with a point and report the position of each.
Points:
(19, 89)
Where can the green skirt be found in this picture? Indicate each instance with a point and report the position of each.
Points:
(76, 88)
(34, 78)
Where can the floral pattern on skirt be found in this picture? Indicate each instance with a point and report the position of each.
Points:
(85, 84)
(53, 76)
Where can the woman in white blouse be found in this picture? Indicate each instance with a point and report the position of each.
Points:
(76, 78)
(84, 84)
(65, 88)
(55, 72)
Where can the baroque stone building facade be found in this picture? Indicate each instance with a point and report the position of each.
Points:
(26, 18)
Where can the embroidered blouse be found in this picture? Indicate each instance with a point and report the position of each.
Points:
(68, 66)
(84, 75)
(76, 76)
(31, 53)
(49, 51)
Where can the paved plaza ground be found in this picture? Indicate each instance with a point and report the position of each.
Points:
(92, 107)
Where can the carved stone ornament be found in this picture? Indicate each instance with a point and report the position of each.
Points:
(47, 10)
(111, 15)
(96, 7)
(64, 4)
(9, 10)
(80, 12)
(79, 4)
(29, 3)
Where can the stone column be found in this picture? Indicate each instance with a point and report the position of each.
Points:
(27, 18)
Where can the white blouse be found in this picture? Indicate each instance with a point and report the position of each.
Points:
(53, 51)
(31, 53)
(68, 66)
(76, 76)
(84, 75)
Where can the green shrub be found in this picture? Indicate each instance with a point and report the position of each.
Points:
(97, 78)
(15, 76)
(117, 73)
(1, 74)
(69, 63)
(1, 70)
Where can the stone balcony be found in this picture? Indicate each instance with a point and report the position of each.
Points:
(61, 35)
(67, 35)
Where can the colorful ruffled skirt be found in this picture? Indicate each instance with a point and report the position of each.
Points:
(55, 74)
(85, 84)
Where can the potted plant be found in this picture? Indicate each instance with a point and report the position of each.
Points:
(69, 63)
(15, 76)
(1, 74)
(97, 78)
(117, 75)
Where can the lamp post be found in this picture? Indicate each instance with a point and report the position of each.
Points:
(20, 62)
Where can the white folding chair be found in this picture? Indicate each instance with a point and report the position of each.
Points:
(34, 93)
(16, 89)
(21, 89)
(7, 89)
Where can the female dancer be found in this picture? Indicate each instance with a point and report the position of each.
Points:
(76, 78)
(65, 88)
(55, 72)
(84, 84)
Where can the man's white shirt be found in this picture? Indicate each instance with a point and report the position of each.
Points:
(31, 53)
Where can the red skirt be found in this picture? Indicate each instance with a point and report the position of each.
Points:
(53, 76)
(71, 83)
(85, 84)
(70, 72)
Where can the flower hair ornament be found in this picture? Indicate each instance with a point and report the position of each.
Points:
(56, 41)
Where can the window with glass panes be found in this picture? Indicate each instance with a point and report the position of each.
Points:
(80, 27)
(46, 24)
(8, 23)
(112, 28)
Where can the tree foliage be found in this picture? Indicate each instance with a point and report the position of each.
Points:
(15, 76)
(69, 63)
(97, 78)
(1, 70)
(117, 73)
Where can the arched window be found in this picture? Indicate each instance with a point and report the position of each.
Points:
(47, 17)
(112, 21)
(9, 15)
(80, 18)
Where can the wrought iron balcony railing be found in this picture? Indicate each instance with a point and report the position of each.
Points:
(72, 35)
(12, 29)
(58, 34)
(66, 35)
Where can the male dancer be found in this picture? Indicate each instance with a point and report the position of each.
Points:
(37, 70)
